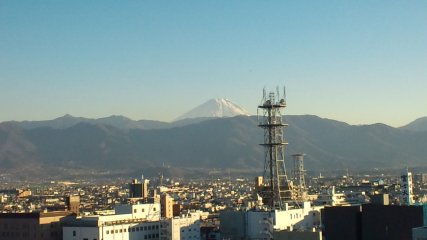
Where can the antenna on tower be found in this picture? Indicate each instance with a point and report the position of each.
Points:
(284, 93)
(277, 188)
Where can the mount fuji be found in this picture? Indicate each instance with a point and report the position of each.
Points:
(215, 108)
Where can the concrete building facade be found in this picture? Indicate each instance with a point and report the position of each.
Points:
(186, 227)
(37, 225)
(261, 224)
(130, 222)
(166, 203)
(373, 222)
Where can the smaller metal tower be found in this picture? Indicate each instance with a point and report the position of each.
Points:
(300, 192)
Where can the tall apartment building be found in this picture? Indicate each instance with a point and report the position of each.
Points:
(166, 203)
(73, 204)
(138, 189)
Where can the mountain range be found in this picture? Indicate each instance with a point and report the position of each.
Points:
(117, 143)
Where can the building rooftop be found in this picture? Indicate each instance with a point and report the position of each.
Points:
(36, 214)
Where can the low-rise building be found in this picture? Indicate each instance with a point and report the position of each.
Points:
(260, 224)
(130, 222)
(35, 225)
(185, 227)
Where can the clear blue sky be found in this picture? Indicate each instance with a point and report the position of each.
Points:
(355, 61)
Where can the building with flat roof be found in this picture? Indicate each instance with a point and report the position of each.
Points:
(130, 222)
(35, 225)
(373, 222)
(261, 224)
(185, 227)
(73, 204)
(167, 205)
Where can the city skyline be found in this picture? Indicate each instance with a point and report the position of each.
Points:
(360, 63)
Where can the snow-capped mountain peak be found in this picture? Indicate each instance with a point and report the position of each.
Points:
(217, 107)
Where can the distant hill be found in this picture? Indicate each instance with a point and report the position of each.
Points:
(121, 122)
(17, 153)
(67, 121)
(209, 143)
(418, 125)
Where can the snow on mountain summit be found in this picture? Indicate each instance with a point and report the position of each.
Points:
(217, 107)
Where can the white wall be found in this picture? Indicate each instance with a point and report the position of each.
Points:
(134, 231)
(181, 228)
(149, 211)
(303, 218)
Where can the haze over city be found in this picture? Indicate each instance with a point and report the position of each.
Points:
(358, 62)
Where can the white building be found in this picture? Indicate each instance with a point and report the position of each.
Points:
(331, 198)
(407, 195)
(186, 227)
(260, 224)
(130, 222)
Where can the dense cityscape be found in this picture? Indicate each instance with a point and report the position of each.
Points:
(284, 203)
(204, 198)
(213, 120)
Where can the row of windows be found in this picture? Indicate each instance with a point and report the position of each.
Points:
(134, 229)
(25, 234)
(296, 215)
(142, 210)
(27, 226)
(190, 237)
(150, 236)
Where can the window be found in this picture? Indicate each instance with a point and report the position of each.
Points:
(134, 211)
(142, 210)
(154, 209)
(74, 233)
(121, 230)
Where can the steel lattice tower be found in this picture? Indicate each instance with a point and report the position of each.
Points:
(277, 188)
(299, 179)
